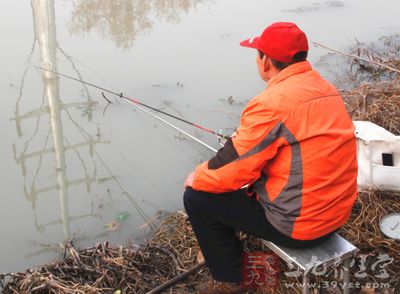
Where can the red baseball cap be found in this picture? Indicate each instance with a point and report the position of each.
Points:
(280, 41)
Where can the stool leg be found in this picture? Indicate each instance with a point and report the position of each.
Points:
(346, 276)
(306, 283)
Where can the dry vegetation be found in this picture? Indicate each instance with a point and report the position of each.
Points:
(173, 250)
(376, 102)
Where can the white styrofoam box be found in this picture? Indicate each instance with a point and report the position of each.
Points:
(372, 142)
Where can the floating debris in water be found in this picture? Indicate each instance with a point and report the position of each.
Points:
(122, 216)
(112, 226)
(115, 224)
(230, 100)
(225, 36)
(335, 3)
(180, 137)
(316, 6)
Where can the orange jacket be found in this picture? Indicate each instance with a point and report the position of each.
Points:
(296, 148)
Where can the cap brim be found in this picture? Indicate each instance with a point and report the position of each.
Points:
(251, 43)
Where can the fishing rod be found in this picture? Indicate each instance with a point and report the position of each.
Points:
(138, 103)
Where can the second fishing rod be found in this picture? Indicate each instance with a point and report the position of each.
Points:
(137, 102)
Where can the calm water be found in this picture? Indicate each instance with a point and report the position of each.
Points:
(69, 166)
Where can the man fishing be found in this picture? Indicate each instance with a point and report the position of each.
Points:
(295, 151)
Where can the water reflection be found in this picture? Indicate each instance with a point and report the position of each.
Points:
(45, 36)
(122, 20)
(73, 158)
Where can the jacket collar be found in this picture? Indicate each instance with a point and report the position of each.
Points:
(290, 71)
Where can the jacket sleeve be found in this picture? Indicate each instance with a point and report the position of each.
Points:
(242, 158)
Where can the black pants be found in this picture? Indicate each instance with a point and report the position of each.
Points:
(215, 219)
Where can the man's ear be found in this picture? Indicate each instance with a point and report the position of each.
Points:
(266, 62)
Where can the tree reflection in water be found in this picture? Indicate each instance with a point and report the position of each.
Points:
(122, 20)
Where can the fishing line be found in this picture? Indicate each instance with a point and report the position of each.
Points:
(172, 126)
(138, 103)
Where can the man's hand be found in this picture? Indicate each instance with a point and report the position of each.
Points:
(189, 180)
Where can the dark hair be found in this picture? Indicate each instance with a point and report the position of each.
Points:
(298, 57)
